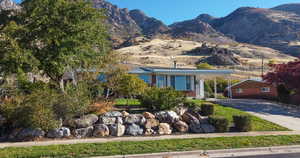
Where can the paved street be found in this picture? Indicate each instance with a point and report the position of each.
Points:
(293, 155)
(271, 111)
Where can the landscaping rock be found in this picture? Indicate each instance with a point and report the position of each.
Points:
(204, 120)
(86, 121)
(149, 132)
(29, 133)
(181, 110)
(84, 132)
(148, 115)
(151, 123)
(113, 114)
(164, 129)
(208, 128)
(167, 117)
(101, 130)
(116, 130)
(134, 130)
(135, 119)
(189, 118)
(196, 128)
(125, 114)
(59, 133)
(107, 120)
(181, 126)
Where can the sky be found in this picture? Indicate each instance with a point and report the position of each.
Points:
(170, 11)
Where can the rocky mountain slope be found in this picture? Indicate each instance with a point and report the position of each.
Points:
(8, 4)
(266, 27)
(293, 7)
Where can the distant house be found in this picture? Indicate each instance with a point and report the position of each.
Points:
(189, 81)
(254, 89)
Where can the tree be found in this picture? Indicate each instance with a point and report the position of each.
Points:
(130, 85)
(285, 74)
(205, 66)
(53, 37)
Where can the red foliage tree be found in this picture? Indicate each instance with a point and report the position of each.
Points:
(286, 74)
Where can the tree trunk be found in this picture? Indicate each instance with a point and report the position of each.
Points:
(61, 85)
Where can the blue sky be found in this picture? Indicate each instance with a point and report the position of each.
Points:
(170, 11)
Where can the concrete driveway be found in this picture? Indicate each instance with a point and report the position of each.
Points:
(270, 111)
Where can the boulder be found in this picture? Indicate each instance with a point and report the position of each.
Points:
(116, 130)
(59, 133)
(125, 114)
(151, 123)
(101, 130)
(84, 132)
(86, 121)
(29, 133)
(189, 118)
(148, 115)
(107, 120)
(204, 120)
(164, 129)
(113, 114)
(181, 126)
(208, 128)
(134, 130)
(167, 117)
(196, 128)
(135, 119)
(181, 110)
(149, 132)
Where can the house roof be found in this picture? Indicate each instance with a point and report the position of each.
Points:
(158, 70)
(255, 80)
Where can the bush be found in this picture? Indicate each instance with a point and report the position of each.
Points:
(161, 98)
(242, 123)
(205, 66)
(220, 123)
(191, 104)
(207, 109)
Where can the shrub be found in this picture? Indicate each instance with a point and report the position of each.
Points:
(220, 123)
(242, 123)
(191, 104)
(161, 98)
(205, 66)
(101, 107)
(207, 109)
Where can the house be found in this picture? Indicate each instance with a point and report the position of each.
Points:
(189, 81)
(254, 89)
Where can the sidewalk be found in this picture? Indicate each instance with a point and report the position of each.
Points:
(219, 153)
(141, 138)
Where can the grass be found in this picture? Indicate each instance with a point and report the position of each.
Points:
(258, 123)
(131, 102)
(142, 147)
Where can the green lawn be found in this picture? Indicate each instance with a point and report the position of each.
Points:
(120, 148)
(258, 123)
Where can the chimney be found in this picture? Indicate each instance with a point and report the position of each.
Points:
(175, 64)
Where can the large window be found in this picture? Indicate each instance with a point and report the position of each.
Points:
(161, 81)
(145, 78)
(181, 83)
(265, 89)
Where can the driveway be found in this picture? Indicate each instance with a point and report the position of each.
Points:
(270, 111)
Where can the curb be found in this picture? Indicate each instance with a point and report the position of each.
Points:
(143, 138)
(217, 153)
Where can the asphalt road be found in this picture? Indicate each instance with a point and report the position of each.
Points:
(293, 155)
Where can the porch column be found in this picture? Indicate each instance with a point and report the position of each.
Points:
(215, 85)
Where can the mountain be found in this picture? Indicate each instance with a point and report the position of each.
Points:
(272, 28)
(149, 26)
(206, 18)
(293, 7)
(8, 4)
(197, 30)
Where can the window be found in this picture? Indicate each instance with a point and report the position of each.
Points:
(181, 83)
(161, 81)
(239, 90)
(145, 78)
(265, 89)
